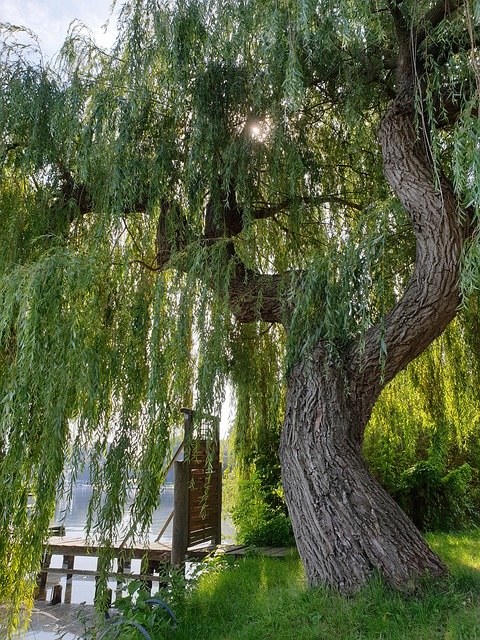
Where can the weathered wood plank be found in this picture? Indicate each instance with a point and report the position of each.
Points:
(155, 550)
(201, 516)
(180, 537)
(80, 547)
(112, 574)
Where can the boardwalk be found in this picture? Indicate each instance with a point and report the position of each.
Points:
(61, 545)
(196, 516)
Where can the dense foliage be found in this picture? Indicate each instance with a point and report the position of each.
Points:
(423, 441)
(158, 197)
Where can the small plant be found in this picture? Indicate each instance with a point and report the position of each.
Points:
(259, 514)
(140, 615)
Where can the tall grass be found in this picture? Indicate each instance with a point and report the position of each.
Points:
(262, 598)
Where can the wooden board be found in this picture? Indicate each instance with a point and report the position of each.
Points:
(204, 495)
(80, 547)
(112, 574)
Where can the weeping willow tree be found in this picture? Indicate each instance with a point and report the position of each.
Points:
(423, 438)
(262, 192)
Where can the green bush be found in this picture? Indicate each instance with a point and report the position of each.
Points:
(434, 501)
(274, 532)
(259, 519)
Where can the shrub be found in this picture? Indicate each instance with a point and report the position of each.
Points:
(260, 520)
(275, 532)
(434, 501)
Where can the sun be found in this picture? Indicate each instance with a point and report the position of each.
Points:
(259, 130)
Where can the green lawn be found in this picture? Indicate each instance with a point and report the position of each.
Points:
(265, 598)
(461, 551)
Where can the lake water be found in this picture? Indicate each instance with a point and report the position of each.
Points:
(82, 588)
(74, 516)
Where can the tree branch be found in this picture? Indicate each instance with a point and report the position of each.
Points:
(252, 295)
(390, 63)
(431, 297)
(404, 60)
(441, 10)
(401, 26)
(223, 218)
(73, 191)
(80, 195)
(270, 210)
(256, 296)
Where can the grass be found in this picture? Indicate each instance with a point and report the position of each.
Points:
(460, 550)
(261, 598)
(266, 599)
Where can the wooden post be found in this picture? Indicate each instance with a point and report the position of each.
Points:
(180, 513)
(146, 569)
(43, 575)
(96, 594)
(68, 592)
(187, 432)
(124, 565)
(40, 594)
(217, 538)
(68, 563)
(102, 596)
(56, 594)
(107, 596)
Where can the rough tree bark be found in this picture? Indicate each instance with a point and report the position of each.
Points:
(346, 526)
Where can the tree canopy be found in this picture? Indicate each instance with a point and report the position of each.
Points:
(204, 203)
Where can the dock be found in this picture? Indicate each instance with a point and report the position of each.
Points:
(154, 556)
(153, 551)
(196, 516)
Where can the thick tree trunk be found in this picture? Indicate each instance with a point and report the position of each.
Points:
(346, 526)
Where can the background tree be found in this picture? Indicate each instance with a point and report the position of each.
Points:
(422, 441)
(309, 168)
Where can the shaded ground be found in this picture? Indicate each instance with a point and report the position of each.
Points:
(50, 622)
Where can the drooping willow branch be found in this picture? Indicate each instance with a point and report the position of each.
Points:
(432, 296)
(253, 295)
(435, 16)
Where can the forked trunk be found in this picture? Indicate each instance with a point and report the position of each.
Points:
(346, 526)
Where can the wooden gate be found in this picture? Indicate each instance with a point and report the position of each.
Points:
(204, 494)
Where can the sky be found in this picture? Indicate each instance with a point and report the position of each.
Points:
(50, 19)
